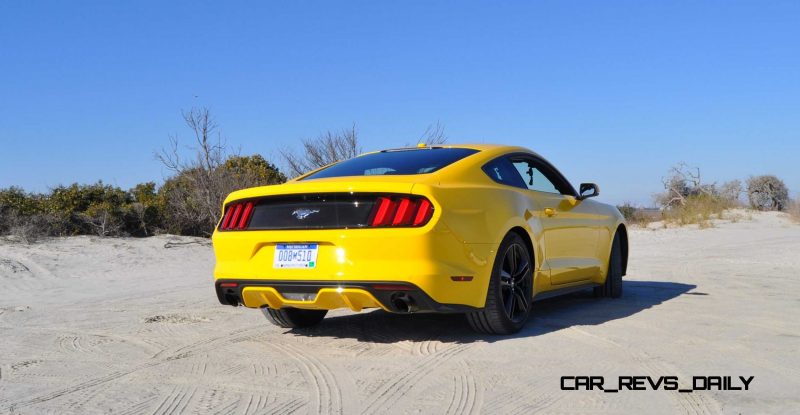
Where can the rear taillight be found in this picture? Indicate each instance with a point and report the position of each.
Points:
(401, 211)
(237, 216)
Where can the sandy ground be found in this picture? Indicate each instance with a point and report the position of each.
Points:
(132, 326)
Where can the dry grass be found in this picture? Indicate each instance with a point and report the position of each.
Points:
(698, 210)
(793, 210)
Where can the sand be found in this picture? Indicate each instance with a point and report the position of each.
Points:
(132, 326)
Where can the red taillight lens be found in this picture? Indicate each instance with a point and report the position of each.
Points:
(237, 216)
(404, 213)
(384, 210)
(424, 213)
(401, 211)
(227, 219)
(237, 211)
(248, 209)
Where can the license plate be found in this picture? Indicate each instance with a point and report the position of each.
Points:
(295, 256)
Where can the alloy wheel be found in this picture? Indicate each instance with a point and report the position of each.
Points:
(515, 283)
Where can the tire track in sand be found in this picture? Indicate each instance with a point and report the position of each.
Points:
(175, 402)
(690, 403)
(390, 392)
(180, 353)
(327, 397)
(467, 397)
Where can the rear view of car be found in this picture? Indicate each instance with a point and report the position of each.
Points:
(364, 233)
(477, 229)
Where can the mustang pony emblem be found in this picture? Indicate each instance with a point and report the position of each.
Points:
(304, 213)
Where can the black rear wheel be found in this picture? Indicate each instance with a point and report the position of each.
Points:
(293, 318)
(509, 298)
(612, 287)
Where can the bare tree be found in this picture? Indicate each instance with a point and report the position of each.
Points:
(731, 191)
(210, 148)
(328, 148)
(201, 182)
(681, 182)
(433, 135)
(198, 194)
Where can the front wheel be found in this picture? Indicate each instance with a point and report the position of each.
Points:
(293, 318)
(612, 287)
(510, 294)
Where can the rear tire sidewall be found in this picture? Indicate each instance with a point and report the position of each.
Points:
(492, 319)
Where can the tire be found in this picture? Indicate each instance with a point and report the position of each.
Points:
(510, 294)
(612, 287)
(293, 318)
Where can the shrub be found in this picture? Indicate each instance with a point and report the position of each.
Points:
(17, 200)
(682, 182)
(698, 209)
(21, 214)
(249, 171)
(767, 193)
(628, 211)
(143, 214)
(191, 201)
(638, 216)
(87, 209)
(80, 209)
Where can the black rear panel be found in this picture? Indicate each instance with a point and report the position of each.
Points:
(313, 211)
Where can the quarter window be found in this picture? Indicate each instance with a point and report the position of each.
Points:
(502, 171)
(534, 178)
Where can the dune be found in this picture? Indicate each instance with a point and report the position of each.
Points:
(128, 326)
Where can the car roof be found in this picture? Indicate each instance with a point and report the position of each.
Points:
(486, 152)
(488, 149)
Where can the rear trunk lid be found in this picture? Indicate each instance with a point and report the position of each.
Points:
(314, 204)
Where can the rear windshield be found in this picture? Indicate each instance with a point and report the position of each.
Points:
(396, 162)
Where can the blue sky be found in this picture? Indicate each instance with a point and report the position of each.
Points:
(611, 92)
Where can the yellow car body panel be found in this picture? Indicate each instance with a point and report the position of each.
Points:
(326, 299)
(570, 239)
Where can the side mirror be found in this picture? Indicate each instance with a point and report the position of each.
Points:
(588, 190)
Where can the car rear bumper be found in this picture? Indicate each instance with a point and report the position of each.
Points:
(396, 297)
(443, 269)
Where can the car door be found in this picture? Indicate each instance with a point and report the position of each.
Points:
(570, 227)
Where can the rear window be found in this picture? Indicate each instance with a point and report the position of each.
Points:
(395, 162)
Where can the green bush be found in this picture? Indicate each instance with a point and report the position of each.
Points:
(191, 201)
(17, 200)
(80, 209)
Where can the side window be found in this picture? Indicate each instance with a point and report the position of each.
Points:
(534, 178)
(541, 177)
(502, 171)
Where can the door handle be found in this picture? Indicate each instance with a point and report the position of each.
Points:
(549, 212)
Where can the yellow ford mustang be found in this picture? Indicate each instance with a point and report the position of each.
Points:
(476, 229)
